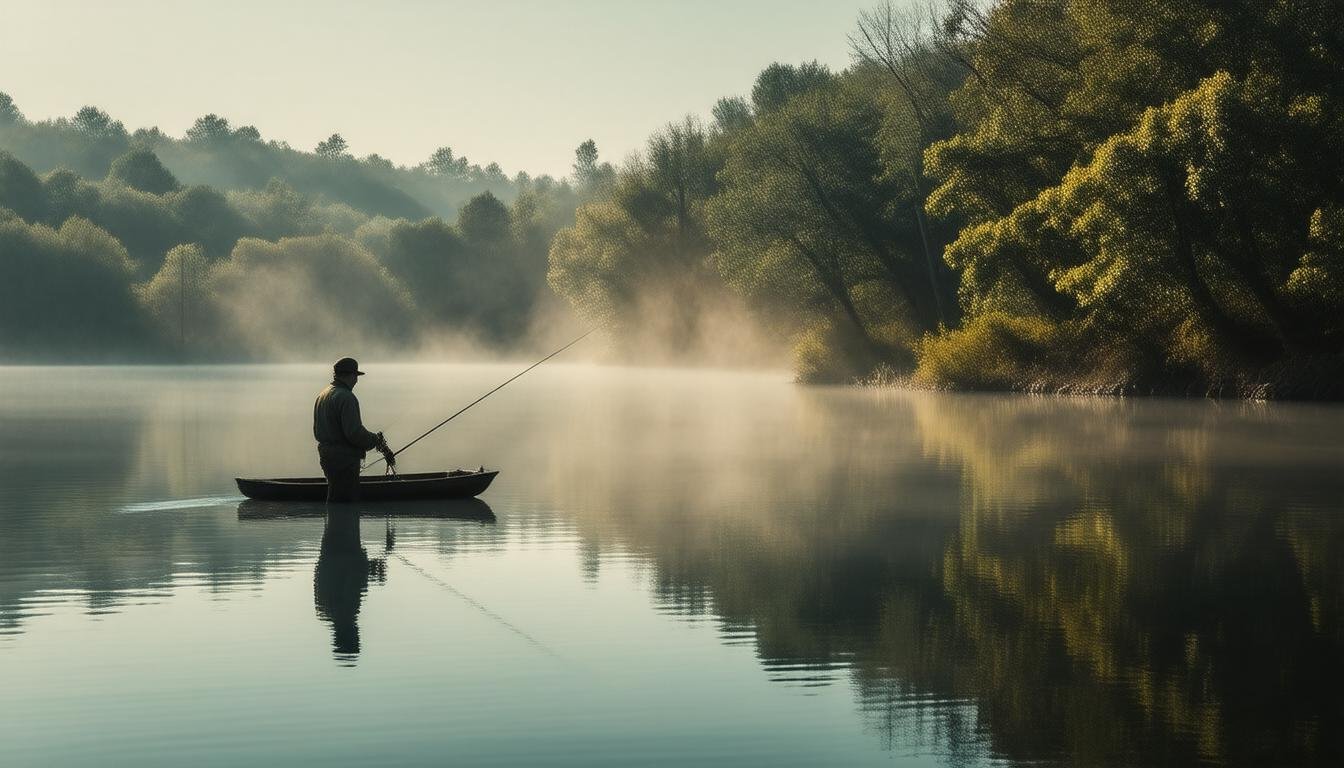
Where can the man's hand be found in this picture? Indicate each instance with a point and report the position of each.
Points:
(384, 449)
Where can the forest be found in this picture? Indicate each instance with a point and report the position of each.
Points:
(221, 247)
(1110, 196)
(1122, 196)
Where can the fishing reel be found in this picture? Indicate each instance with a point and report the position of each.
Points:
(389, 458)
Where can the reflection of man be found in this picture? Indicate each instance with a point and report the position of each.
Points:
(342, 439)
(341, 578)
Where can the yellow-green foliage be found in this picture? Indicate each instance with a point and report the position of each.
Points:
(599, 263)
(1318, 281)
(829, 353)
(177, 298)
(991, 351)
(832, 351)
(1157, 196)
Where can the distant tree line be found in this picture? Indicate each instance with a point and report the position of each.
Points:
(213, 152)
(137, 265)
(1120, 195)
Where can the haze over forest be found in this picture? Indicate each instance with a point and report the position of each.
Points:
(1121, 196)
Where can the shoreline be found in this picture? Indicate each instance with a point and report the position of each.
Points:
(1323, 383)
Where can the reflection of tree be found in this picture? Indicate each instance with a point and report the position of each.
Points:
(82, 440)
(1117, 582)
(1155, 605)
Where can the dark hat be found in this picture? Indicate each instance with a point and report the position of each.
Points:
(346, 365)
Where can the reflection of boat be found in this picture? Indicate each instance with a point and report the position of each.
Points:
(446, 509)
(457, 484)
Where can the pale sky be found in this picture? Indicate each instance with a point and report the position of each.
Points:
(519, 82)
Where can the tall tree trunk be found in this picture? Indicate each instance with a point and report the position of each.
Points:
(924, 240)
(871, 240)
(1206, 304)
(832, 278)
(1283, 320)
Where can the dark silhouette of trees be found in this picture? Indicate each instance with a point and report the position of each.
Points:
(9, 111)
(97, 123)
(332, 148)
(138, 266)
(140, 169)
(208, 128)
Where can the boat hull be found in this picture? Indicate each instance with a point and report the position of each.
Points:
(457, 484)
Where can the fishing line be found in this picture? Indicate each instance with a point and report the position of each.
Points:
(473, 602)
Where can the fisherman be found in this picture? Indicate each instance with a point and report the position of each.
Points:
(342, 439)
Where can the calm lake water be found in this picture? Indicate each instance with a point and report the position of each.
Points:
(672, 567)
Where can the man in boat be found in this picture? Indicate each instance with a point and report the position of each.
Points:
(342, 440)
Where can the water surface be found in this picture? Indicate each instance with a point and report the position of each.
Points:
(672, 567)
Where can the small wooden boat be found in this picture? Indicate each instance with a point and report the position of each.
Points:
(457, 484)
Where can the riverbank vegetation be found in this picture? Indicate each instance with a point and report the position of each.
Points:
(1119, 196)
(1111, 196)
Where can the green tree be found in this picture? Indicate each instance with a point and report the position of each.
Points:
(20, 189)
(902, 43)
(1150, 199)
(209, 128)
(68, 292)
(178, 300)
(484, 220)
(204, 216)
(638, 256)
(680, 174)
(9, 111)
(68, 195)
(585, 162)
(778, 83)
(442, 162)
(332, 148)
(591, 177)
(97, 123)
(254, 289)
(731, 115)
(140, 169)
(430, 259)
(376, 160)
(806, 219)
(603, 262)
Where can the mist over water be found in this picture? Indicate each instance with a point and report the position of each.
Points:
(673, 566)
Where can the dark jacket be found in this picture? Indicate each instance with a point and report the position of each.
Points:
(341, 436)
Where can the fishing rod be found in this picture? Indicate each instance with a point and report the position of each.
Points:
(482, 397)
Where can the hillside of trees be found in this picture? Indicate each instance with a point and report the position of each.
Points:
(1115, 196)
(215, 153)
(1118, 196)
(113, 257)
